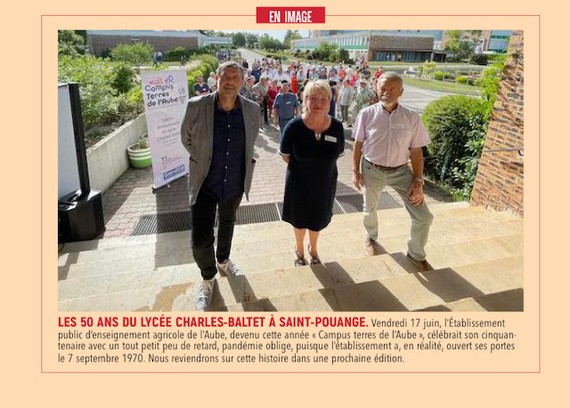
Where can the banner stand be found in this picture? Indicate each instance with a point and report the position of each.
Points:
(165, 94)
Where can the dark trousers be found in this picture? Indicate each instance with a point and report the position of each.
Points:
(264, 110)
(203, 218)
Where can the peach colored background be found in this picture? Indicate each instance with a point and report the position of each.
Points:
(30, 98)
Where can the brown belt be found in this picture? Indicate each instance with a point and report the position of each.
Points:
(385, 168)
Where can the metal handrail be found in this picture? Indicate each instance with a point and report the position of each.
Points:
(520, 150)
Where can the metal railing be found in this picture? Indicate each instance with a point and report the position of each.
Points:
(519, 150)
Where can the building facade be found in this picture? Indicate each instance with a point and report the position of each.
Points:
(488, 41)
(102, 40)
(399, 45)
(380, 45)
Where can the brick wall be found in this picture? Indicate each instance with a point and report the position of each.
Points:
(500, 178)
(400, 43)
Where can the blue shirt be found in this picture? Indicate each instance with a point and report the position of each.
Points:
(285, 105)
(201, 88)
(256, 72)
(227, 170)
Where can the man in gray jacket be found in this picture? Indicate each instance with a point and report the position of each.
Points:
(219, 132)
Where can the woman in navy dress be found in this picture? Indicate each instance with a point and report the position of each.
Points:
(311, 146)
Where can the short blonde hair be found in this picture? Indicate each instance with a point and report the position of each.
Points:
(319, 86)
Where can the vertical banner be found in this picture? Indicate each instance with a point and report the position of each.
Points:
(165, 95)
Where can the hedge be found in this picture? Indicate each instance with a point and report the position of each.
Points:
(208, 63)
(457, 126)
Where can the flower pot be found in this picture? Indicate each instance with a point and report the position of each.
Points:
(139, 157)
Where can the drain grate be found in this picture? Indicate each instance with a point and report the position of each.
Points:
(249, 214)
(162, 222)
(353, 202)
(252, 214)
(337, 209)
(350, 203)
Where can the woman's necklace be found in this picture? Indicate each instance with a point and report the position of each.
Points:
(324, 126)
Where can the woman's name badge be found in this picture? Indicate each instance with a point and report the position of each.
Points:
(330, 138)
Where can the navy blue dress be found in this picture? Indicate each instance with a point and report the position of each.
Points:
(310, 183)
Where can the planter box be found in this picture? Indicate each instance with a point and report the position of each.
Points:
(107, 160)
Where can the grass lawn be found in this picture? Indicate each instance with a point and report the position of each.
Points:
(442, 86)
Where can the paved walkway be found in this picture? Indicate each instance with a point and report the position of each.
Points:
(132, 196)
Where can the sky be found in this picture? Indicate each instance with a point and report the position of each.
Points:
(279, 34)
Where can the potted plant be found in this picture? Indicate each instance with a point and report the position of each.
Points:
(139, 153)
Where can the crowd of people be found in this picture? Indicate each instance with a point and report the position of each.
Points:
(353, 88)
(309, 103)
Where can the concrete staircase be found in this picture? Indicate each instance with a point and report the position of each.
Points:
(477, 255)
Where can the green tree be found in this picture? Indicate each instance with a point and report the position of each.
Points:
(238, 39)
(135, 54)
(461, 44)
(124, 77)
(69, 42)
(343, 55)
(324, 51)
(251, 40)
(269, 43)
(289, 36)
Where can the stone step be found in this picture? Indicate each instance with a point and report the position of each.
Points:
(158, 272)
(506, 301)
(395, 218)
(412, 291)
(187, 275)
(174, 248)
(456, 208)
(271, 254)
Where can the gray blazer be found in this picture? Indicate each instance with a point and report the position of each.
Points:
(197, 134)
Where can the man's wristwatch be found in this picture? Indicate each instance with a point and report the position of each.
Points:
(419, 180)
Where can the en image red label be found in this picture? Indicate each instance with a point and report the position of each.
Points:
(290, 15)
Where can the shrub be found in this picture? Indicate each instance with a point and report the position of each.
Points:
(106, 53)
(488, 82)
(95, 77)
(438, 75)
(479, 59)
(135, 54)
(176, 54)
(343, 55)
(130, 104)
(462, 79)
(457, 126)
(101, 85)
(428, 68)
(124, 78)
(208, 64)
